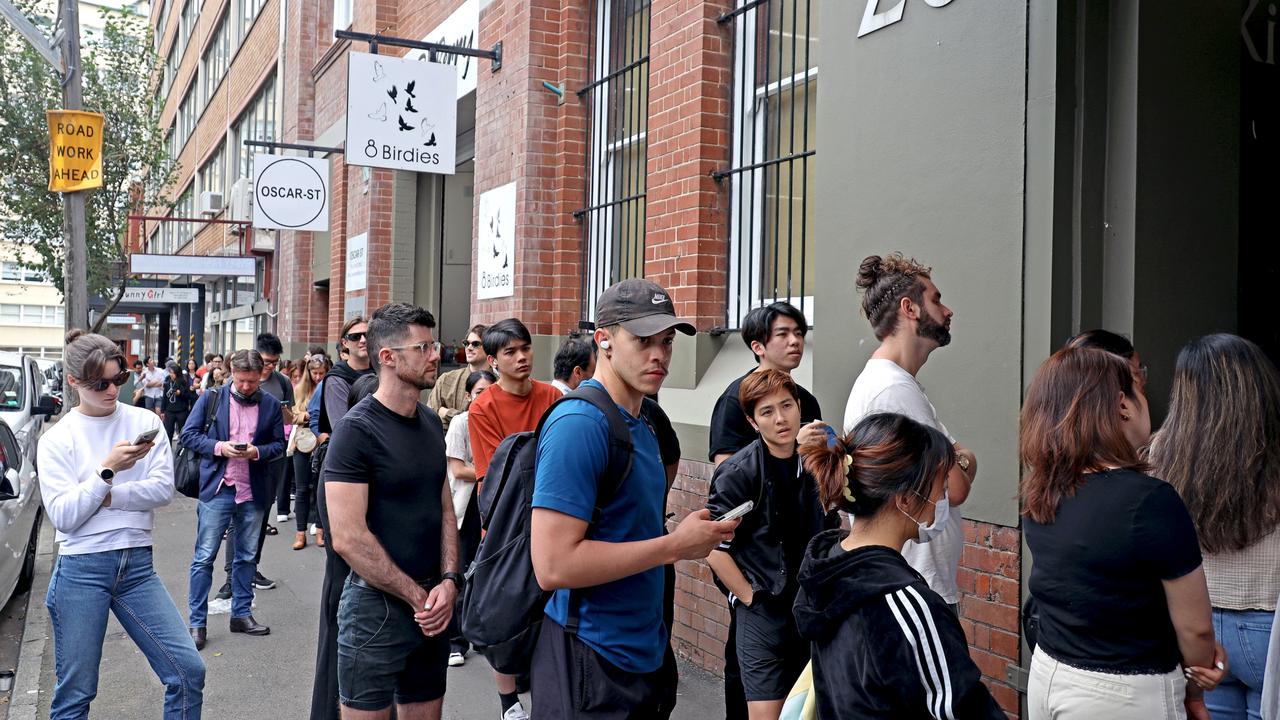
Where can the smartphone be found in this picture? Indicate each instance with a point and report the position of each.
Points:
(738, 512)
(147, 436)
(240, 446)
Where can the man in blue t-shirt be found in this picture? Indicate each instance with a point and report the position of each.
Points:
(609, 666)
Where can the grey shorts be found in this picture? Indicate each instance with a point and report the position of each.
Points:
(383, 657)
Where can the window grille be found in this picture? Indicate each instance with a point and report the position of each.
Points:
(774, 116)
(617, 102)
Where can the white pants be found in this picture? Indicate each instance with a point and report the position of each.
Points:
(1058, 692)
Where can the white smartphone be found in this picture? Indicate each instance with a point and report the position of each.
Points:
(738, 512)
(147, 436)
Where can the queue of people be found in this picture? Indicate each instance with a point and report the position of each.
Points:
(1155, 556)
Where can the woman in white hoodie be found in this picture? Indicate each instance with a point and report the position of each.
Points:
(100, 485)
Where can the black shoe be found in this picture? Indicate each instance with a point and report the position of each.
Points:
(262, 582)
(198, 636)
(224, 592)
(249, 626)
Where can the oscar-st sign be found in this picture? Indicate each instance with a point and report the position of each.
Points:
(290, 193)
(402, 113)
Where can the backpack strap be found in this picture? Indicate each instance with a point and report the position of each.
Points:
(211, 410)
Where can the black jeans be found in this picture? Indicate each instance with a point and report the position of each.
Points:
(174, 419)
(304, 491)
(468, 545)
(324, 691)
(275, 476)
(284, 486)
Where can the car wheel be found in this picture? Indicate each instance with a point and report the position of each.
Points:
(29, 559)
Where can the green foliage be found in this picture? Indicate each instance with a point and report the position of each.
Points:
(137, 170)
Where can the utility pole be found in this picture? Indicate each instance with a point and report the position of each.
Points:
(75, 274)
(63, 54)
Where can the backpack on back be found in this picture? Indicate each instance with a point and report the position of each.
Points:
(502, 605)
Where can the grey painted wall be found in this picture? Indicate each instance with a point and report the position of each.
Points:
(922, 150)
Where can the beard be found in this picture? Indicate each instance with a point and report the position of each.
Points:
(933, 330)
(420, 381)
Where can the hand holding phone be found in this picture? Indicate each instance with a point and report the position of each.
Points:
(240, 446)
(146, 437)
(738, 512)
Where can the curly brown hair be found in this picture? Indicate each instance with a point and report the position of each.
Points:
(883, 282)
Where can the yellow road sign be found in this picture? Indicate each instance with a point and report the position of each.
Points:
(75, 150)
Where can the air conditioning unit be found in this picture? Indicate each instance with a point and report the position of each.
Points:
(210, 202)
(242, 200)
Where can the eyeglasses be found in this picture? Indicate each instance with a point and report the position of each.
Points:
(118, 380)
(473, 344)
(270, 361)
(422, 346)
(355, 336)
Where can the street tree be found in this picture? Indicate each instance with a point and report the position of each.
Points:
(119, 66)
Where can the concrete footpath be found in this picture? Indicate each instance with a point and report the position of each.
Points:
(247, 676)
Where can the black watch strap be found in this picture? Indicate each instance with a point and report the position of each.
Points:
(455, 577)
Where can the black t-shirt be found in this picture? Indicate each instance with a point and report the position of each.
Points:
(793, 497)
(402, 461)
(730, 429)
(277, 386)
(1098, 569)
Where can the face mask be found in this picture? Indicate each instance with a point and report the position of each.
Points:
(941, 513)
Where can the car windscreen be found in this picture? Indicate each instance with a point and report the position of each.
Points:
(10, 387)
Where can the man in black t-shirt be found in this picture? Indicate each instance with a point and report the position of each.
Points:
(391, 518)
(775, 333)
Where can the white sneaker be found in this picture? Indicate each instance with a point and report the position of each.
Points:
(311, 529)
(282, 518)
(456, 659)
(515, 712)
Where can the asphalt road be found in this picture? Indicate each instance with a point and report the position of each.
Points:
(248, 676)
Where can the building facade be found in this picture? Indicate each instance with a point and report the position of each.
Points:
(1061, 165)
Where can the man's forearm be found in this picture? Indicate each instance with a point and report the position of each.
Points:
(591, 562)
(448, 533)
(370, 560)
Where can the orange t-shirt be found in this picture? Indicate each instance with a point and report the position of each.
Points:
(497, 413)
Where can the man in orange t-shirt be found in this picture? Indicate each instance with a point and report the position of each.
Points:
(515, 404)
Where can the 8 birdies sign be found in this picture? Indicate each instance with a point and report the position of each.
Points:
(402, 113)
(290, 193)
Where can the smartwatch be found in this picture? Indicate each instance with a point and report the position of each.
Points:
(455, 577)
(105, 473)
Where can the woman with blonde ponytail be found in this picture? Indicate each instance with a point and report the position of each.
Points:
(883, 644)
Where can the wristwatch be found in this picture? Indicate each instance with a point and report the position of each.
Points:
(455, 577)
(105, 473)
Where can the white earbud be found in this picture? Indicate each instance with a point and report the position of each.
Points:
(604, 344)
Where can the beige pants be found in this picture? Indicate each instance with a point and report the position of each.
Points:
(1058, 692)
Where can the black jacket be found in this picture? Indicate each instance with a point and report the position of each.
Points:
(884, 645)
(757, 546)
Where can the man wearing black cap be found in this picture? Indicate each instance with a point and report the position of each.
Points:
(611, 664)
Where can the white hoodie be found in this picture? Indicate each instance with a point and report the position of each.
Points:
(71, 453)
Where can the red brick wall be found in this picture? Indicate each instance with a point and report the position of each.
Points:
(990, 572)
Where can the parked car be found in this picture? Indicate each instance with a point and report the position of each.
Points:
(52, 371)
(24, 404)
(20, 515)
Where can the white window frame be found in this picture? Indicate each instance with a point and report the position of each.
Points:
(752, 117)
(344, 13)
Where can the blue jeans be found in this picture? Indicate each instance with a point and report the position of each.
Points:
(82, 589)
(214, 517)
(1245, 635)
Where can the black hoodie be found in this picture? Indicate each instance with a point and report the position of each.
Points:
(884, 645)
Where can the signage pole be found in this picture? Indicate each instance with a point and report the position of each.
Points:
(75, 273)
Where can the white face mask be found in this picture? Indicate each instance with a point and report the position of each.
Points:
(941, 513)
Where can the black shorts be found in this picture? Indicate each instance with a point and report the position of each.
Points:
(771, 652)
(382, 654)
(573, 682)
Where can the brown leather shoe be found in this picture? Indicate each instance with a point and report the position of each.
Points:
(198, 636)
(249, 626)
(299, 540)
(319, 537)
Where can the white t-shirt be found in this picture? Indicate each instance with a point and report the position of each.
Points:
(884, 387)
(457, 445)
(155, 374)
(69, 456)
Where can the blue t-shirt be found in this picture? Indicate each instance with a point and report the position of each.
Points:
(313, 409)
(621, 620)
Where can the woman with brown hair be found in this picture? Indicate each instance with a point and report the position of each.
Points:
(883, 644)
(1117, 571)
(1220, 447)
(301, 444)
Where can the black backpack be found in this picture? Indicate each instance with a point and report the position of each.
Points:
(186, 464)
(502, 605)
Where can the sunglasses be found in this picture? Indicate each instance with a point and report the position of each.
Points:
(355, 337)
(104, 383)
(473, 344)
(422, 347)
